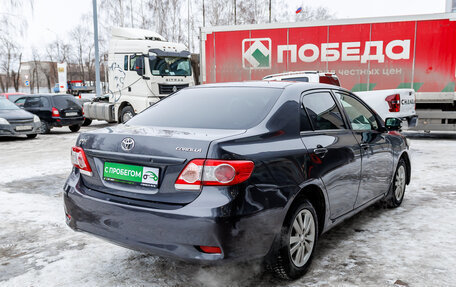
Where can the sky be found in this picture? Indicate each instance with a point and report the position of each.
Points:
(53, 19)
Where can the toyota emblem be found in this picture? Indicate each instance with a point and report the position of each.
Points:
(174, 89)
(127, 144)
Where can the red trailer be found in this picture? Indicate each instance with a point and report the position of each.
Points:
(367, 54)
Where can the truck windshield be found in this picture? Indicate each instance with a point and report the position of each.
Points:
(170, 66)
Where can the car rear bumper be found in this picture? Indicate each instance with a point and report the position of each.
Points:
(176, 233)
(10, 130)
(60, 122)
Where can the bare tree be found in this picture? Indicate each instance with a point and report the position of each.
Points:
(9, 60)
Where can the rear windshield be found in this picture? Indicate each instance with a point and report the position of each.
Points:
(65, 102)
(211, 108)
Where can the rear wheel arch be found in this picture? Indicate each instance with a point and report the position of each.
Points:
(406, 158)
(313, 194)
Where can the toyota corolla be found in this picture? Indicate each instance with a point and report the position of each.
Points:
(237, 171)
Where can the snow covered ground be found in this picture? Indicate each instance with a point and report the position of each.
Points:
(413, 245)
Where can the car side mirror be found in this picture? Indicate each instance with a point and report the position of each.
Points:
(393, 124)
(139, 65)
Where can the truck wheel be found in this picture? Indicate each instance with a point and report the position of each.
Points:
(45, 128)
(86, 122)
(74, 128)
(126, 114)
(297, 243)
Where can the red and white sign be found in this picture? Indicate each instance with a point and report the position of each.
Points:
(415, 51)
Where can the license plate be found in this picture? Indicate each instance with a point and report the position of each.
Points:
(132, 174)
(23, 128)
(71, 114)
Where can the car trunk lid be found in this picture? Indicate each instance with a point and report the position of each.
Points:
(143, 163)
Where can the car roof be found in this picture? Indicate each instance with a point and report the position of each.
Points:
(45, 95)
(269, 84)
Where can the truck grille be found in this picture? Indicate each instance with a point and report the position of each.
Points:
(168, 89)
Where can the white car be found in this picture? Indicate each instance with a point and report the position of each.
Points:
(398, 103)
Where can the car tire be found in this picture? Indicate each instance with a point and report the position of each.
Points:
(75, 128)
(86, 122)
(126, 114)
(31, 136)
(295, 250)
(396, 193)
(45, 127)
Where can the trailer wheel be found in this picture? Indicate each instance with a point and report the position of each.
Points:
(126, 114)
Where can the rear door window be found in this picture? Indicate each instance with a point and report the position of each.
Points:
(33, 102)
(323, 111)
(297, 79)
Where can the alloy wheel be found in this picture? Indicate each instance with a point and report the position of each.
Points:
(302, 238)
(399, 183)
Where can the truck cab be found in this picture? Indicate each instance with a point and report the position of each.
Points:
(142, 69)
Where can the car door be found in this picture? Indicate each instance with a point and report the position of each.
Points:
(333, 150)
(377, 156)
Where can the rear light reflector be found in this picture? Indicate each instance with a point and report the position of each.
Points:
(211, 249)
(55, 113)
(199, 172)
(79, 160)
(394, 103)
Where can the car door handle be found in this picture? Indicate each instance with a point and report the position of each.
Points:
(320, 151)
(364, 146)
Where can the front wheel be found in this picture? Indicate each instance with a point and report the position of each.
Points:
(297, 243)
(74, 128)
(126, 114)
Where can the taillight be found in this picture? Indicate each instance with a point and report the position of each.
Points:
(394, 103)
(199, 172)
(210, 249)
(55, 113)
(79, 160)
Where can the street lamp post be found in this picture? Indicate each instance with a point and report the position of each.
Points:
(97, 55)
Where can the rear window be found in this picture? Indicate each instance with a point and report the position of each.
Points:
(64, 102)
(211, 108)
(297, 79)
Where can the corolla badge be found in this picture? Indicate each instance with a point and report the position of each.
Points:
(189, 149)
(127, 144)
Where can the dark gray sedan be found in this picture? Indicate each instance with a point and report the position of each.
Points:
(15, 121)
(237, 171)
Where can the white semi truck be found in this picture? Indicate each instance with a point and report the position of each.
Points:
(142, 68)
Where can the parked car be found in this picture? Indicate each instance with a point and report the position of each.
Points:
(237, 171)
(54, 110)
(14, 121)
(12, 96)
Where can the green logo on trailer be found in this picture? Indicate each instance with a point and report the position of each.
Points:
(256, 53)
